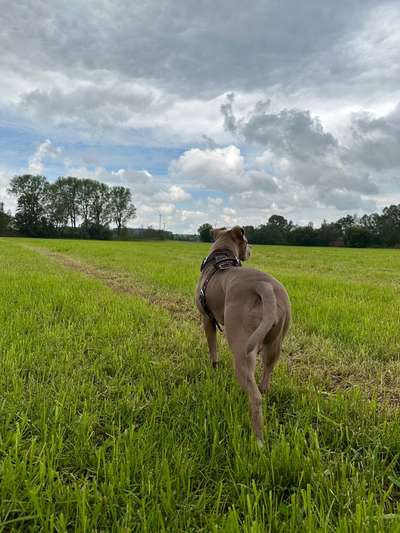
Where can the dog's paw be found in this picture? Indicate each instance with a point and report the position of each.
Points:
(260, 443)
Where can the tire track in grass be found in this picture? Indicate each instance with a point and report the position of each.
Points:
(123, 283)
(378, 380)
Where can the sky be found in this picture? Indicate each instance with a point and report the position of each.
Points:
(223, 112)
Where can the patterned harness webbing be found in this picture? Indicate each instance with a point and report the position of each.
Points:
(221, 260)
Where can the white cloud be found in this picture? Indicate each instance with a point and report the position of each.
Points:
(150, 193)
(214, 203)
(218, 168)
(44, 151)
(7, 199)
(175, 194)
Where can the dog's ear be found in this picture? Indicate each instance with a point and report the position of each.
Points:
(216, 232)
(237, 233)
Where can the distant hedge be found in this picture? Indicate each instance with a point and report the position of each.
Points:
(375, 230)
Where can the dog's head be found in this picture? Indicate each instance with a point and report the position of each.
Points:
(235, 235)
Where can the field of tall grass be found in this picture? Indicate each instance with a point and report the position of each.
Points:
(111, 418)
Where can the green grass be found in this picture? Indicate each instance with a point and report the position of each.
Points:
(112, 420)
(348, 297)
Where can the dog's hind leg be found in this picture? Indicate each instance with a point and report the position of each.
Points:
(245, 366)
(245, 369)
(270, 354)
(211, 334)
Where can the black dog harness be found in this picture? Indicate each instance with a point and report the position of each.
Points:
(220, 260)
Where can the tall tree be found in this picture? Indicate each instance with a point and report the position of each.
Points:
(85, 194)
(68, 195)
(6, 221)
(32, 196)
(122, 208)
(358, 237)
(304, 236)
(204, 232)
(100, 205)
(277, 230)
(345, 223)
(56, 208)
(389, 225)
(278, 221)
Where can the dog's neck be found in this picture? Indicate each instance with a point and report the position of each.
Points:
(225, 244)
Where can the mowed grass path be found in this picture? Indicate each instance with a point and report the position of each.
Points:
(346, 303)
(112, 420)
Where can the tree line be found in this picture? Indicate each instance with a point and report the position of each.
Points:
(68, 207)
(85, 208)
(374, 230)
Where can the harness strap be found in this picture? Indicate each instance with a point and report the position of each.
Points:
(203, 301)
(222, 260)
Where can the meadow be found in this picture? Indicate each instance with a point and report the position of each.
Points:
(111, 418)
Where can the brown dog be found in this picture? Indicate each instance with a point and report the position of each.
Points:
(254, 308)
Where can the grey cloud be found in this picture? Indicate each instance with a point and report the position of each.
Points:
(89, 105)
(311, 157)
(262, 181)
(290, 131)
(188, 46)
(376, 140)
(329, 173)
(210, 143)
(227, 113)
(185, 51)
(290, 198)
(345, 200)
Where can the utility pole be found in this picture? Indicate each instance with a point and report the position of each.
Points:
(159, 225)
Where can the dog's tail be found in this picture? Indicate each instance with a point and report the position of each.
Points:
(268, 319)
